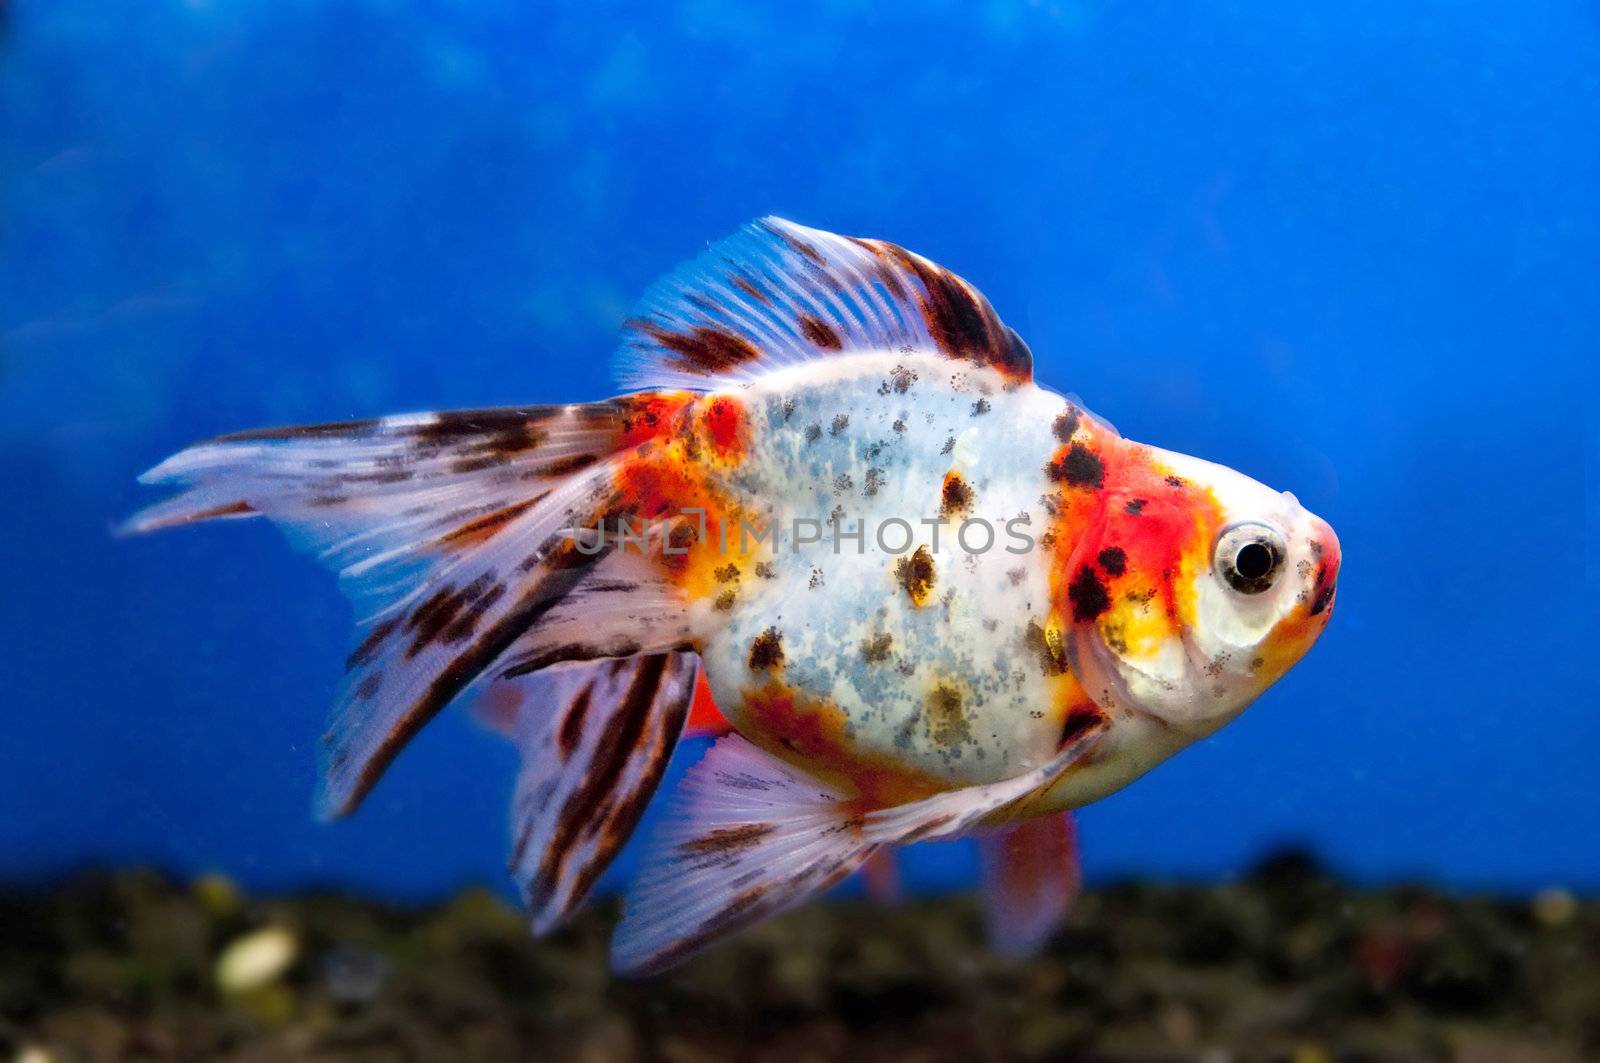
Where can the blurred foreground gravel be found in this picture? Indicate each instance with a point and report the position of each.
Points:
(1285, 964)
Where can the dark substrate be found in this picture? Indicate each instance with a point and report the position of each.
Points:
(1283, 965)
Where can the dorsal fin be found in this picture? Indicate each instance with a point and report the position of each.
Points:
(776, 294)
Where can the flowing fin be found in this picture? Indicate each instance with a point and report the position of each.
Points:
(1030, 878)
(625, 606)
(881, 876)
(372, 498)
(777, 294)
(595, 739)
(748, 836)
(455, 531)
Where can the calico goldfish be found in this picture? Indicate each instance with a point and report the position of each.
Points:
(929, 597)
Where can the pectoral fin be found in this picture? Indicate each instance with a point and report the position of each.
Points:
(748, 836)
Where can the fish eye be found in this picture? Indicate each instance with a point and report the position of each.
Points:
(1249, 557)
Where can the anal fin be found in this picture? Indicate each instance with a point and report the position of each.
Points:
(595, 739)
(748, 836)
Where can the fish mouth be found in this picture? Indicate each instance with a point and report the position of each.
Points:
(1325, 547)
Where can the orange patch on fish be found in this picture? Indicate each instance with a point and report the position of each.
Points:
(810, 732)
(704, 532)
(1286, 643)
(652, 414)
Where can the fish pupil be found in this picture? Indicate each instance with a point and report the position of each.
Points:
(1253, 561)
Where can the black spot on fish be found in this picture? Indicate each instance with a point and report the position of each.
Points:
(1324, 597)
(766, 651)
(1079, 467)
(875, 650)
(813, 433)
(956, 497)
(1134, 507)
(916, 575)
(1087, 594)
(1049, 647)
(1113, 560)
(946, 715)
(840, 423)
(1066, 423)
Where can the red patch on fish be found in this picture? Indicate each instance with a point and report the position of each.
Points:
(726, 427)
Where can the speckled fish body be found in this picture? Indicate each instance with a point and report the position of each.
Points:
(923, 635)
(930, 596)
(904, 648)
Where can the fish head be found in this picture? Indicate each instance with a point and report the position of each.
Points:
(1198, 590)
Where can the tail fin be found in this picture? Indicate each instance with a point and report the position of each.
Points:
(453, 533)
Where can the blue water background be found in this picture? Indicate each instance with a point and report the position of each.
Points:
(1350, 249)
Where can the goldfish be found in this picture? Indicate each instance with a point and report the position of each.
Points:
(927, 596)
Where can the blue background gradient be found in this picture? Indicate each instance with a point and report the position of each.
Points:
(1350, 249)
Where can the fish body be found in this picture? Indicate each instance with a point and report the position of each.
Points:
(895, 636)
(929, 596)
